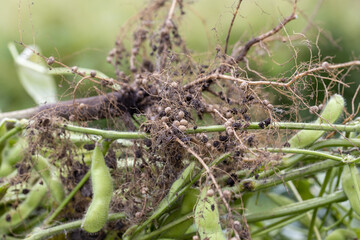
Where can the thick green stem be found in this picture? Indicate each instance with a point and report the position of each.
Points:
(164, 228)
(284, 125)
(46, 233)
(305, 152)
(251, 184)
(322, 191)
(296, 208)
(109, 134)
(290, 161)
(338, 221)
(9, 134)
(276, 225)
(66, 71)
(215, 128)
(299, 199)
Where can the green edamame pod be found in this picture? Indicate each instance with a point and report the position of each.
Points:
(102, 186)
(3, 189)
(331, 113)
(187, 205)
(182, 180)
(53, 182)
(207, 217)
(175, 187)
(14, 217)
(349, 188)
(2, 132)
(342, 234)
(11, 156)
(189, 200)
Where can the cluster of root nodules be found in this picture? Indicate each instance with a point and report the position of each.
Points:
(165, 93)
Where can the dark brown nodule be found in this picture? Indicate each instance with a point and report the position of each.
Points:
(248, 186)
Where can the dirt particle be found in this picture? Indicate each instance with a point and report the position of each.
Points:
(223, 138)
(25, 191)
(216, 144)
(89, 146)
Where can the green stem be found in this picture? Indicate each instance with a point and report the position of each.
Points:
(251, 184)
(276, 225)
(9, 134)
(296, 208)
(66, 71)
(46, 233)
(322, 191)
(299, 199)
(284, 125)
(290, 161)
(164, 228)
(214, 128)
(305, 152)
(338, 221)
(68, 198)
(339, 142)
(109, 134)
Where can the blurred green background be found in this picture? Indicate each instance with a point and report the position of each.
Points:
(82, 32)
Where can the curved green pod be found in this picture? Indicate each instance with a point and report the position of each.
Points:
(182, 180)
(349, 188)
(3, 189)
(14, 217)
(11, 156)
(102, 186)
(46, 171)
(331, 112)
(187, 206)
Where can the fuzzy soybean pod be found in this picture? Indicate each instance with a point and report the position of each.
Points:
(330, 114)
(349, 187)
(14, 217)
(3, 189)
(207, 219)
(47, 172)
(102, 187)
(11, 156)
(187, 205)
(182, 180)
